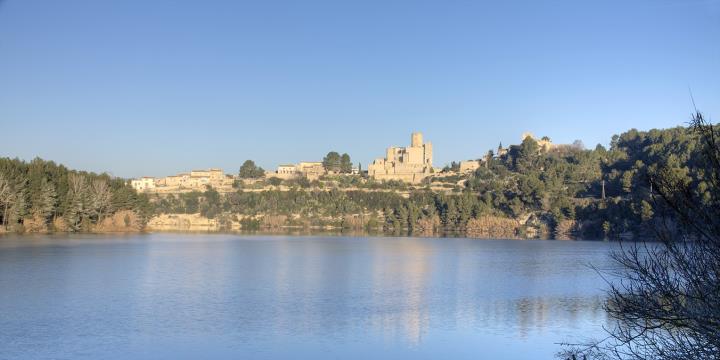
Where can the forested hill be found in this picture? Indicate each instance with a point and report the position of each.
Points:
(527, 192)
(564, 187)
(565, 192)
(635, 157)
(40, 196)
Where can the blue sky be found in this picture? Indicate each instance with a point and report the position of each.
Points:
(137, 87)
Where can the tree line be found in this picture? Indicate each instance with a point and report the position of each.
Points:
(44, 195)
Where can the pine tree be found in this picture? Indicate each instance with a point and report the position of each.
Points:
(331, 162)
(18, 206)
(100, 197)
(6, 195)
(45, 200)
(76, 205)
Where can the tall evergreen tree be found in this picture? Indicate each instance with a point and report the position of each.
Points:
(249, 170)
(332, 162)
(345, 164)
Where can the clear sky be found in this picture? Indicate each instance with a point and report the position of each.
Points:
(139, 87)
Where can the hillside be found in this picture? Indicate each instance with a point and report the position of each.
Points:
(565, 192)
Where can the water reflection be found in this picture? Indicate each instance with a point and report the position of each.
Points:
(296, 295)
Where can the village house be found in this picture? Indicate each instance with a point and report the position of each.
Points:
(285, 171)
(312, 170)
(197, 180)
(143, 183)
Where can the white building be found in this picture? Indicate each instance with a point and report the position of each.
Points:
(143, 183)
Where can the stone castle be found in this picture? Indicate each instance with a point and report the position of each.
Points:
(410, 164)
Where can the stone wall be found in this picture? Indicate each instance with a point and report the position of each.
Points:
(409, 164)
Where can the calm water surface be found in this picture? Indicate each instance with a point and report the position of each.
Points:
(169, 296)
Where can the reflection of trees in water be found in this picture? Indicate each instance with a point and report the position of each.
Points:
(398, 289)
(541, 314)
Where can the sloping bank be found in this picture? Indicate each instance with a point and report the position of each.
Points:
(482, 227)
(129, 221)
(120, 221)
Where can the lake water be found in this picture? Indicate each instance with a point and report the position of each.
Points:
(221, 296)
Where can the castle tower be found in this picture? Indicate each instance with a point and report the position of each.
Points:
(390, 154)
(412, 163)
(416, 139)
(428, 155)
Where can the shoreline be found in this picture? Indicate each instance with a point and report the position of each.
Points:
(293, 232)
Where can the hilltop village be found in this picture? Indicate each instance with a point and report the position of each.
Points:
(534, 189)
(411, 164)
(185, 199)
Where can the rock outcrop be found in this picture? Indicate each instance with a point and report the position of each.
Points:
(188, 222)
(121, 221)
(493, 227)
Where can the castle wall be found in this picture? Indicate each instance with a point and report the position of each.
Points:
(428, 154)
(415, 155)
(469, 166)
(409, 164)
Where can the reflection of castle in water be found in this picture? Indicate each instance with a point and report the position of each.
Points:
(396, 289)
(407, 275)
